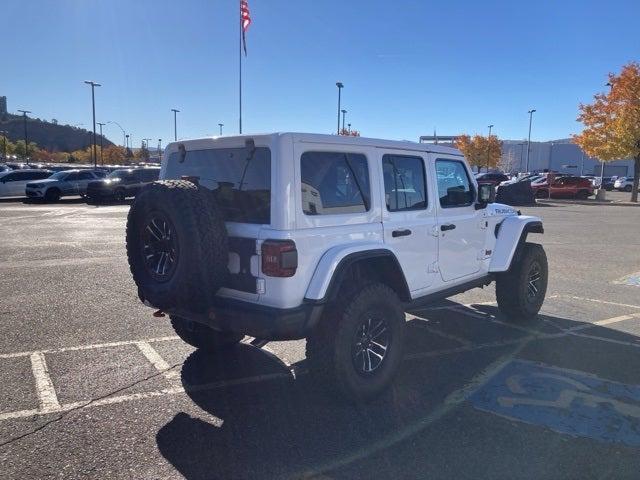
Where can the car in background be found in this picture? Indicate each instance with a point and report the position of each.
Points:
(62, 184)
(5, 168)
(624, 184)
(490, 178)
(13, 182)
(120, 184)
(566, 186)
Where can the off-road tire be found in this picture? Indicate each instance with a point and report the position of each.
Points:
(330, 351)
(52, 195)
(200, 259)
(628, 188)
(203, 337)
(513, 288)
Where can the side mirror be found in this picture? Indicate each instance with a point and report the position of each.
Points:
(486, 194)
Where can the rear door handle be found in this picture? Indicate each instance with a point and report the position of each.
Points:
(447, 226)
(401, 233)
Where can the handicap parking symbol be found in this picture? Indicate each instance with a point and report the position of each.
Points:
(565, 401)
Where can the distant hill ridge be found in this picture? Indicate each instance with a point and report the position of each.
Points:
(48, 135)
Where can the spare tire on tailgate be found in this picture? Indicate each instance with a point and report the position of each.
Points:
(176, 245)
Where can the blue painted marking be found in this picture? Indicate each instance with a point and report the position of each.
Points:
(633, 279)
(564, 401)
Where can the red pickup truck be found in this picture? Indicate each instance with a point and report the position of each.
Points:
(564, 187)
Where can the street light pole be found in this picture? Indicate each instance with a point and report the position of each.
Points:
(93, 104)
(349, 126)
(489, 146)
(175, 124)
(101, 143)
(160, 149)
(530, 112)
(26, 138)
(344, 112)
(340, 87)
(221, 125)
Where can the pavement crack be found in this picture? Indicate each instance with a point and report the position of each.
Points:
(86, 404)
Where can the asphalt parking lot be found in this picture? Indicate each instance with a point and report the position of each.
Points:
(93, 386)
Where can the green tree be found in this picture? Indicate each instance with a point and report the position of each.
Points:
(20, 150)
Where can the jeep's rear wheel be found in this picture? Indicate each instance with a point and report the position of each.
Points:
(520, 291)
(176, 245)
(203, 337)
(359, 344)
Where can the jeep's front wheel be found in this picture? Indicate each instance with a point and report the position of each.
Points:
(520, 292)
(203, 337)
(359, 343)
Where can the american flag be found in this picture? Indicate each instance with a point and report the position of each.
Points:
(245, 21)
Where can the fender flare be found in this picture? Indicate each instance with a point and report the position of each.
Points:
(511, 235)
(325, 283)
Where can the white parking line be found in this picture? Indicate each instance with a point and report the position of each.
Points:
(595, 300)
(44, 385)
(156, 360)
(88, 347)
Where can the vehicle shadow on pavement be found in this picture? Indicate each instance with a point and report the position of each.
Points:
(425, 427)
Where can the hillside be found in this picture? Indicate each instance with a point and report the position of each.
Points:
(50, 136)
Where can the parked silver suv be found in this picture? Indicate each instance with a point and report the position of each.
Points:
(64, 183)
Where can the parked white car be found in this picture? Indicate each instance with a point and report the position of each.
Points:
(324, 237)
(13, 182)
(624, 184)
(60, 184)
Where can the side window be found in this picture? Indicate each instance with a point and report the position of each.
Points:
(334, 183)
(85, 176)
(72, 177)
(150, 175)
(454, 187)
(404, 183)
(12, 177)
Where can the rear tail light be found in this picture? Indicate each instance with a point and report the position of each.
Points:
(279, 258)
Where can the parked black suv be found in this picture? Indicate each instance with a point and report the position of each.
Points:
(120, 184)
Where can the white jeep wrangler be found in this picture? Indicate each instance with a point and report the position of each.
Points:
(323, 237)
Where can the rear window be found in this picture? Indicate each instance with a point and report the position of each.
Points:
(239, 179)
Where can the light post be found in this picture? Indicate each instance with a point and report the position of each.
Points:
(530, 112)
(127, 137)
(121, 129)
(101, 143)
(26, 138)
(344, 112)
(221, 125)
(521, 145)
(340, 87)
(349, 126)
(489, 146)
(93, 104)
(160, 149)
(175, 124)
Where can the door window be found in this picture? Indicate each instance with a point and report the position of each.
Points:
(85, 176)
(454, 186)
(334, 183)
(72, 177)
(404, 183)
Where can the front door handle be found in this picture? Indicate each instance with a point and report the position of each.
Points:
(447, 226)
(401, 233)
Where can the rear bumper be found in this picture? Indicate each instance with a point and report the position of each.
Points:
(257, 320)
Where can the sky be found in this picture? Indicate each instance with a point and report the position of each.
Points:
(407, 66)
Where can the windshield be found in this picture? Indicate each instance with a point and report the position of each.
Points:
(59, 175)
(239, 179)
(119, 174)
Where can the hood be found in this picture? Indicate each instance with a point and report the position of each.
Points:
(45, 180)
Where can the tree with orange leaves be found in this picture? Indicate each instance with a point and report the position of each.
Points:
(612, 122)
(480, 151)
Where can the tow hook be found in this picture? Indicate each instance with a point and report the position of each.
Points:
(158, 314)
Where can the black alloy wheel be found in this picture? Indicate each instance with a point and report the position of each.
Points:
(370, 344)
(159, 247)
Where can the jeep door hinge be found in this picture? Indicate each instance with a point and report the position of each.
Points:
(433, 268)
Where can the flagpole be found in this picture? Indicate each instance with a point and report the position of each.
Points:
(240, 76)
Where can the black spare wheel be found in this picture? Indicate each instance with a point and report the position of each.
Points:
(176, 245)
